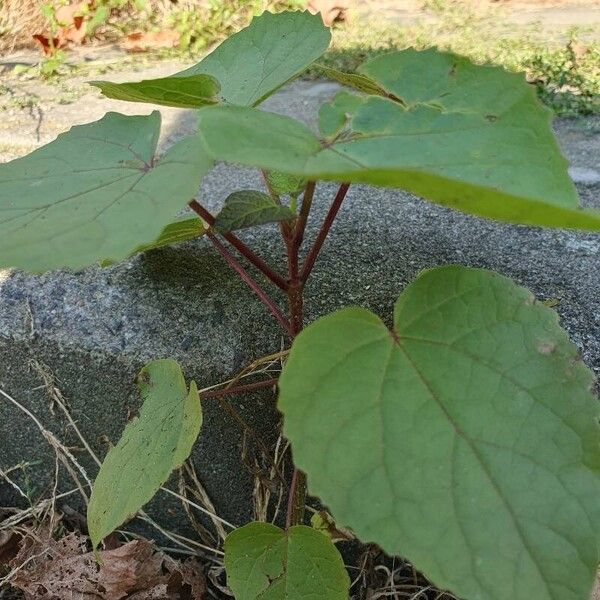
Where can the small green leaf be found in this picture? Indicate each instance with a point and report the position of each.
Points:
(465, 440)
(283, 184)
(466, 136)
(335, 117)
(259, 59)
(263, 561)
(179, 231)
(248, 208)
(359, 82)
(96, 193)
(181, 92)
(151, 447)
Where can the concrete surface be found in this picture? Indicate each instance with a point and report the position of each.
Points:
(95, 329)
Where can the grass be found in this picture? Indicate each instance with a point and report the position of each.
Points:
(565, 71)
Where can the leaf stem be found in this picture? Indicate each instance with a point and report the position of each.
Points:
(244, 275)
(297, 492)
(296, 499)
(307, 199)
(239, 389)
(313, 253)
(243, 249)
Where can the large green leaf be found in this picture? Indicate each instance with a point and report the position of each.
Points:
(97, 192)
(176, 232)
(152, 445)
(465, 439)
(259, 59)
(181, 92)
(264, 562)
(470, 137)
(248, 208)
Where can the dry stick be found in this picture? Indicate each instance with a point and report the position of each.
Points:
(237, 267)
(240, 389)
(313, 253)
(244, 250)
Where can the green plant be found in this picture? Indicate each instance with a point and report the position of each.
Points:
(200, 26)
(464, 437)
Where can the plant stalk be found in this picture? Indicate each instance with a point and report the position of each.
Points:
(237, 267)
(297, 491)
(243, 249)
(296, 499)
(313, 253)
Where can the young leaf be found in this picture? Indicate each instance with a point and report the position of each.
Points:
(283, 184)
(263, 561)
(248, 208)
(152, 446)
(466, 439)
(181, 230)
(470, 137)
(259, 59)
(359, 82)
(180, 92)
(95, 193)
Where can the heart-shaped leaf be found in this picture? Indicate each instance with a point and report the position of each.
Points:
(152, 445)
(465, 439)
(259, 59)
(180, 92)
(470, 137)
(263, 561)
(248, 208)
(97, 192)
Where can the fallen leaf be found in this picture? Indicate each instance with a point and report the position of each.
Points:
(71, 28)
(71, 20)
(142, 42)
(331, 10)
(48, 47)
(131, 568)
(52, 569)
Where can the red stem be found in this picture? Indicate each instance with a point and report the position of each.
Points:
(307, 199)
(239, 389)
(297, 492)
(237, 267)
(313, 253)
(296, 499)
(246, 252)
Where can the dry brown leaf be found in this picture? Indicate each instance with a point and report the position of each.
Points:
(71, 28)
(152, 40)
(131, 568)
(71, 20)
(331, 10)
(48, 45)
(51, 569)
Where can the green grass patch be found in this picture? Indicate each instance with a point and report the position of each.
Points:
(565, 70)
